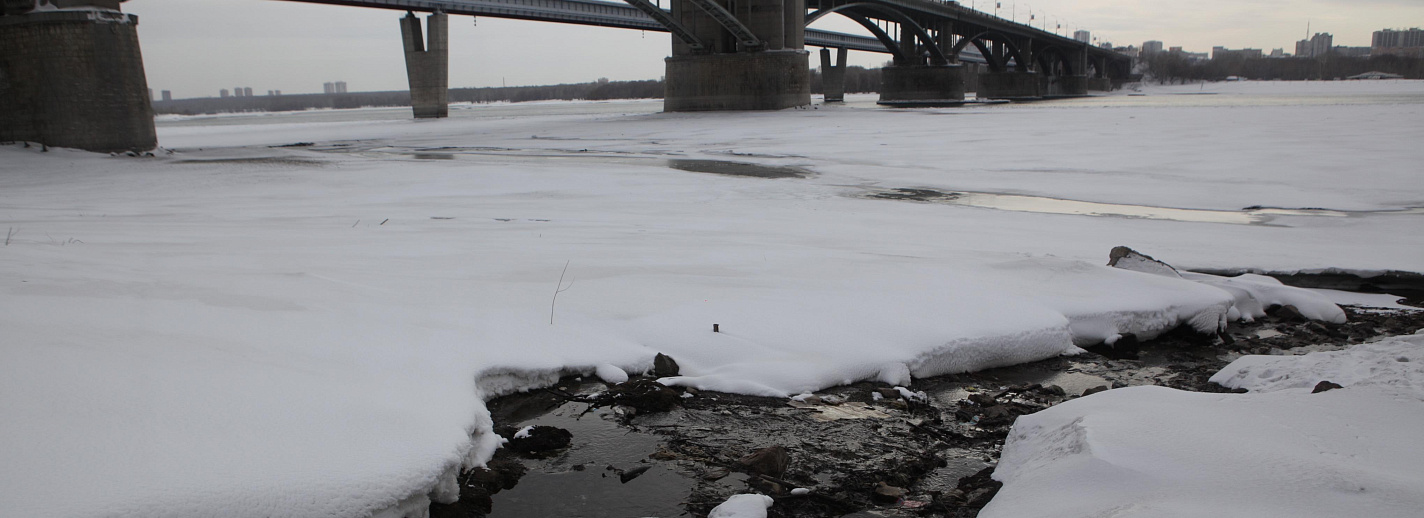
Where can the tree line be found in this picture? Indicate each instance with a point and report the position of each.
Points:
(857, 79)
(1170, 67)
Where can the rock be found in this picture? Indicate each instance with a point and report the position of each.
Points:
(1324, 386)
(1286, 313)
(642, 395)
(888, 493)
(1095, 390)
(663, 454)
(664, 366)
(716, 474)
(888, 393)
(540, 440)
(771, 460)
(631, 474)
(1129, 259)
(983, 399)
(1055, 390)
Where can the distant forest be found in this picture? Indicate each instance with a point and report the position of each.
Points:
(1169, 67)
(858, 79)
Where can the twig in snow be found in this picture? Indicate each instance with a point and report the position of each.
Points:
(383, 222)
(358, 222)
(559, 288)
(9, 235)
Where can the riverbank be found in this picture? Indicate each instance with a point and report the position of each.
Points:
(862, 450)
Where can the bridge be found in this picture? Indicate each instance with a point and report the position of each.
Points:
(71, 73)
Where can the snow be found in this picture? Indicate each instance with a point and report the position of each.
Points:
(1397, 364)
(1276, 451)
(610, 373)
(314, 331)
(742, 506)
(523, 432)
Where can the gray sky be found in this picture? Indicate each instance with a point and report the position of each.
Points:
(196, 47)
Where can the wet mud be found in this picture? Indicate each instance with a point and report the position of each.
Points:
(862, 450)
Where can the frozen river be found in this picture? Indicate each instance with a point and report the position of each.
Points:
(303, 313)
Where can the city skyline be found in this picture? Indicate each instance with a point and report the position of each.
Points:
(296, 47)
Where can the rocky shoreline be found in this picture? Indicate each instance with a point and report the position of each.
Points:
(861, 450)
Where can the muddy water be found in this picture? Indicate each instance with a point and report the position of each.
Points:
(585, 480)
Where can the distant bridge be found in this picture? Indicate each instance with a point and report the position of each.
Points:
(71, 73)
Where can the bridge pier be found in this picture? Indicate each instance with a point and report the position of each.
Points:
(921, 85)
(1009, 85)
(833, 76)
(74, 78)
(748, 57)
(427, 64)
(1068, 85)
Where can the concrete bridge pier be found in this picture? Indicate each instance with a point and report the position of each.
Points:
(1072, 85)
(833, 75)
(922, 85)
(73, 78)
(1012, 84)
(749, 56)
(427, 64)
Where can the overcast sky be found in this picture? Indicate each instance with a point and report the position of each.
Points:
(196, 47)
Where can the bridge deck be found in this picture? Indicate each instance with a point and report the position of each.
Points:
(596, 13)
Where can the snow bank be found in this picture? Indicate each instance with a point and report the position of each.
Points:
(1278, 451)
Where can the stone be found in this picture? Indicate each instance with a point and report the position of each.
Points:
(541, 440)
(1324, 386)
(1095, 390)
(631, 474)
(888, 493)
(1287, 313)
(664, 366)
(1129, 259)
(1055, 390)
(772, 460)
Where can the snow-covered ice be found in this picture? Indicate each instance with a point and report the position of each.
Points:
(252, 331)
(1276, 451)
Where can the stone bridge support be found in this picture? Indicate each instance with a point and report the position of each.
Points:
(750, 55)
(427, 64)
(921, 85)
(74, 78)
(833, 75)
(1009, 84)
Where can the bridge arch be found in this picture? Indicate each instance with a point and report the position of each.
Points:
(1010, 50)
(1053, 61)
(907, 24)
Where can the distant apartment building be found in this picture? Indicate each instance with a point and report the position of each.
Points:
(247, 91)
(1225, 53)
(167, 95)
(1390, 42)
(223, 93)
(1151, 47)
(328, 88)
(1317, 46)
(1083, 36)
(274, 93)
(1277, 53)
(341, 87)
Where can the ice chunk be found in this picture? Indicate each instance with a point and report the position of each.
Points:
(742, 506)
